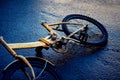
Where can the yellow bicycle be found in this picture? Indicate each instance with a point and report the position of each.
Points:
(78, 28)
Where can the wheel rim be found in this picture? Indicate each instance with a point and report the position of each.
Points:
(15, 73)
(96, 32)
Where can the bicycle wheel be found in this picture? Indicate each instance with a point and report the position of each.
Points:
(96, 33)
(14, 72)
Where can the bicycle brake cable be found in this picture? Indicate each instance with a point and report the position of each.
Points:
(39, 75)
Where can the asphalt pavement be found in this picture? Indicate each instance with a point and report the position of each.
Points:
(20, 22)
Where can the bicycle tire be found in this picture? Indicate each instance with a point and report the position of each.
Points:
(36, 63)
(98, 25)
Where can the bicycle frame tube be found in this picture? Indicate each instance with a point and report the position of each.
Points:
(27, 45)
(60, 23)
(75, 31)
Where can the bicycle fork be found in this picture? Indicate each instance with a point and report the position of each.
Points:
(20, 57)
